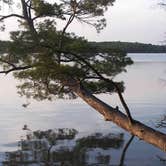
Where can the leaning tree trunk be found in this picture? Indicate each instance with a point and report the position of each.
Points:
(136, 128)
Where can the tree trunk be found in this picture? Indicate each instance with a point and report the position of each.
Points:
(136, 128)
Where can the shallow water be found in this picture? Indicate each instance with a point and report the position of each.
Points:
(145, 93)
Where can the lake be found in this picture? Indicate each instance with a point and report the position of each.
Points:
(145, 93)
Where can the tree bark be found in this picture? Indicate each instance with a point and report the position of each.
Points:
(136, 128)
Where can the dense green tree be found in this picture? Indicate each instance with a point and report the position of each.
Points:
(53, 63)
(54, 57)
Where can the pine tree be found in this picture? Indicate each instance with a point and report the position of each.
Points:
(56, 64)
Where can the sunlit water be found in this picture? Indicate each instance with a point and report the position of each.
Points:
(145, 94)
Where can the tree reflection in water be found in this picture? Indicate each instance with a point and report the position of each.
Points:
(60, 147)
(162, 122)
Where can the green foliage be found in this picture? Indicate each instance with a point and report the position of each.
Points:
(45, 79)
(102, 87)
(112, 62)
(96, 8)
(43, 8)
(56, 56)
(4, 45)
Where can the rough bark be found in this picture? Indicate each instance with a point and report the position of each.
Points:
(136, 128)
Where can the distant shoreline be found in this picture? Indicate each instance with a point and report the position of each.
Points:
(130, 47)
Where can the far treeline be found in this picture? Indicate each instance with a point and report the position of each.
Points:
(131, 47)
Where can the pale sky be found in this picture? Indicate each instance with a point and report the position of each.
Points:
(128, 20)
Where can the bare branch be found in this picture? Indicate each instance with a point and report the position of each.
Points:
(92, 77)
(27, 17)
(15, 69)
(11, 15)
(7, 62)
(36, 17)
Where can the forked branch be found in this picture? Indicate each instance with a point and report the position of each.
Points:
(104, 79)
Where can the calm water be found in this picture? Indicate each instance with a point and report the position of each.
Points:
(145, 93)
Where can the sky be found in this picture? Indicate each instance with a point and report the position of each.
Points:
(128, 20)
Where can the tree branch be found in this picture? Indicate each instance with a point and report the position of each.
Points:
(27, 17)
(104, 79)
(71, 18)
(15, 69)
(7, 62)
(11, 15)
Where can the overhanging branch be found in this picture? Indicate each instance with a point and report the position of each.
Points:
(11, 15)
(7, 62)
(15, 69)
(104, 79)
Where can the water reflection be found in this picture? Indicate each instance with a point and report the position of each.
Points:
(61, 147)
(125, 150)
(145, 93)
(162, 122)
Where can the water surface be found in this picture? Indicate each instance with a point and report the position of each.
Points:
(145, 83)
